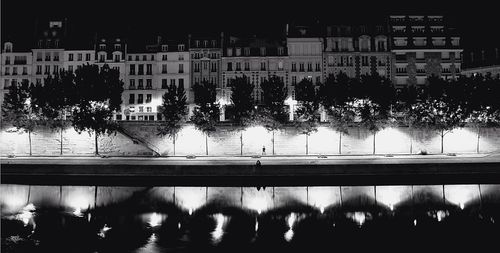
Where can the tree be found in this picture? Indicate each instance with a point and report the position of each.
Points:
(483, 117)
(374, 104)
(99, 96)
(272, 115)
(308, 111)
(242, 101)
(403, 113)
(206, 113)
(56, 98)
(18, 110)
(174, 111)
(334, 96)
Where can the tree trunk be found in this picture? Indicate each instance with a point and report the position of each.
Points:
(29, 137)
(307, 144)
(96, 145)
(273, 142)
(61, 141)
(478, 136)
(206, 144)
(173, 142)
(411, 142)
(241, 144)
(340, 143)
(442, 141)
(374, 133)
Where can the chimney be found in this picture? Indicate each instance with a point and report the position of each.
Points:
(286, 30)
(158, 40)
(482, 55)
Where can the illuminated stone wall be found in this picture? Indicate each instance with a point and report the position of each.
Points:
(190, 199)
(232, 142)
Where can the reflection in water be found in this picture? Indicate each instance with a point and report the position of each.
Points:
(220, 224)
(26, 214)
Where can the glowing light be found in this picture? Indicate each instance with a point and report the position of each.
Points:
(322, 197)
(104, 230)
(79, 203)
(391, 196)
(391, 206)
(258, 203)
(26, 214)
(256, 225)
(359, 217)
(179, 225)
(291, 220)
(191, 198)
(440, 215)
(190, 211)
(414, 222)
(220, 222)
(462, 206)
(78, 212)
(322, 210)
(460, 195)
(155, 219)
(289, 235)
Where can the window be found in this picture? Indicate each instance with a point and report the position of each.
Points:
(181, 68)
(140, 70)
(6, 83)
(364, 60)
(213, 67)
(47, 69)
(164, 48)
(8, 47)
(70, 57)
(149, 69)
(381, 45)
(132, 69)
(181, 57)
(238, 51)
(38, 81)
(102, 47)
(141, 109)
(141, 84)
(196, 67)
(246, 51)
(56, 69)
(117, 47)
(7, 71)
(47, 56)
(39, 69)
(262, 66)
(180, 47)
(87, 57)
(14, 70)
(117, 57)
(205, 65)
(318, 68)
(172, 81)
(70, 68)
(262, 51)
(164, 57)
(56, 56)
(149, 109)
(229, 52)
(247, 66)
(281, 51)
(144, 58)
(294, 80)
(309, 66)
(131, 99)
(445, 55)
(140, 99)
(148, 98)
(181, 82)
(301, 67)
(294, 66)
(132, 84)
(137, 58)
(318, 80)
(164, 83)
(229, 66)
(101, 58)
(39, 56)
(280, 65)
(164, 68)
(149, 84)
(238, 66)
(80, 57)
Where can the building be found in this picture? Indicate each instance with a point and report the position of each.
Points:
(205, 60)
(423, 46)
(356, 51)
(483, 61)
(48, 53)
(255, 58)
(78, 57)
(150, 69)
(15, 67)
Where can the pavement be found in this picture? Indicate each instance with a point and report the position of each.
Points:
(243, 171)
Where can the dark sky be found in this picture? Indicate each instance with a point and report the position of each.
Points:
(478, 21)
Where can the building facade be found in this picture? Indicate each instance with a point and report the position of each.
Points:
(357, 51)
(15, 67)
(485, 61)
(205, 60)
(423, 46)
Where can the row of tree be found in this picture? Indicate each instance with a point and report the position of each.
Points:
(88, 98)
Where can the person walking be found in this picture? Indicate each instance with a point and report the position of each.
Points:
(263, 150)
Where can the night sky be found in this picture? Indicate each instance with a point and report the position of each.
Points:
(477, 22)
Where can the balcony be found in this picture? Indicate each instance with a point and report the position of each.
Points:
(140, 87)
(20, 62)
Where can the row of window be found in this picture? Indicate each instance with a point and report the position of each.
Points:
(13, 82)
(149, 83)
(213, 66)
(14, 71)
(18, 60)
(422, 41)
(309, 67)
(198, 55)
(54, 56)
(237, 66)
(140, 99)
(79, 57)
(164, 57)
(149, 69)
(246, 51)
(138, 117)
(55, 69)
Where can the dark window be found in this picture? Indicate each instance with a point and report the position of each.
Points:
(131, 99)
(140, 98)
(148, 98)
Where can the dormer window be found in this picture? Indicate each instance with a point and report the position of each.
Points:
(213, 43)
(247, 51)
(56, 43)
(164, 48)
(102, 47)
(229, 52)
(281, 51)
(197, 43)
(8, 47)
(117, 47)
(180, 47)
(205, 43)
(262, 51)
(238, 51)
